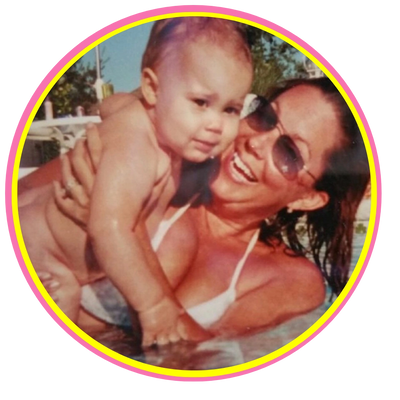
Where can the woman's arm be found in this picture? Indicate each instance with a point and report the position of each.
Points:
(44, 175)
(51, 171)
(85, 158)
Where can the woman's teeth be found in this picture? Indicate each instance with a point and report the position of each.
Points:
(240, 170)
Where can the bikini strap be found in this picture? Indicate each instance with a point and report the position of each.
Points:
(243, 260)
(166, 224)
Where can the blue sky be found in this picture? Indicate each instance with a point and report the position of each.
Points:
(124, 52)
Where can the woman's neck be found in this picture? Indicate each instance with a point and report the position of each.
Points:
(223, 225)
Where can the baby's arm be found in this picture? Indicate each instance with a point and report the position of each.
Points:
(124, 182)
(175, 328)
(83, 172)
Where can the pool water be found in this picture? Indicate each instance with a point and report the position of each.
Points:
(218, 352)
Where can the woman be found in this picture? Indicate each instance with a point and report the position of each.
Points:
(301, 158)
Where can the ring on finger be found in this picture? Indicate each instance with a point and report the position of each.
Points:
(70, 184)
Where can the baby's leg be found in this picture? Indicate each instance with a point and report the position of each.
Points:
(63, 288)
(46, 257)
(62, 294)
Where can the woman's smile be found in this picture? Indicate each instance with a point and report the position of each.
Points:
(240, 171)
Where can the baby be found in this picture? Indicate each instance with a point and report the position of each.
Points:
(196, 73)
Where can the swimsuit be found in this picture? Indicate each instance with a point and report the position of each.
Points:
(166, 225)
(104, 301)
(209, 312)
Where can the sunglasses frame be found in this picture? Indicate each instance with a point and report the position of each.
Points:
(263, 118)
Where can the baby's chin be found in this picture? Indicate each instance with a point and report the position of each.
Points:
(198, 157)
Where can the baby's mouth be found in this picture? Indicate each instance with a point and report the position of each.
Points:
(205, 146)
(240, 171)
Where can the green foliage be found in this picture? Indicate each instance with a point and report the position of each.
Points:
(274, 60)
(50, 150)
(73, 89)
(361, 228)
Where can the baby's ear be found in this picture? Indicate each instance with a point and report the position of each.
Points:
(313, 200)
(149, 85)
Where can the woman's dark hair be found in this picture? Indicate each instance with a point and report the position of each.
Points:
(330, 229)
(346, 176)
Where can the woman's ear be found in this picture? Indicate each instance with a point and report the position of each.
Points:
(149, 85)
(311, 201)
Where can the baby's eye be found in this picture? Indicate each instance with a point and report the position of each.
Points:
(200, 102)
(232, 110)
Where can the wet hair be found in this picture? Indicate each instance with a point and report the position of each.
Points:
(168, 36)
(345, 178)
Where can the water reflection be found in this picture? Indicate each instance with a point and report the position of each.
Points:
(218, 352)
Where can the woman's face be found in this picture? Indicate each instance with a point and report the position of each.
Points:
(250, 177)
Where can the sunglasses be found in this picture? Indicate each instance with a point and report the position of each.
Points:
(285, 154)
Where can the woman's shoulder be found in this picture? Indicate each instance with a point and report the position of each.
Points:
(281, 267)
(273, 288)
(284, 259)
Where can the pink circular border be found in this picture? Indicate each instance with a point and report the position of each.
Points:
(82, 46)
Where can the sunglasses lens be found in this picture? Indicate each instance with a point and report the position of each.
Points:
(264, 117)
(287, 158)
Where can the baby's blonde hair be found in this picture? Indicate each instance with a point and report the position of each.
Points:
(172, 34)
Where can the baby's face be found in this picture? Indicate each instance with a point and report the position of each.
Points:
(199, 98)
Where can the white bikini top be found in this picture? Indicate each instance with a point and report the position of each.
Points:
(205, 314)
(209, 312)
(166, 224)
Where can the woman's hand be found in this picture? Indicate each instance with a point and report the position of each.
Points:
(78, 175)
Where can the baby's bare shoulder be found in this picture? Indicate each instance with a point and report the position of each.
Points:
(129, 129)
(115, 103)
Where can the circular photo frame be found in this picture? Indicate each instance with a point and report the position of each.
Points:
(243, 294)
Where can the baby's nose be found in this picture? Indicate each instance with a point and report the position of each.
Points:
(215, 122)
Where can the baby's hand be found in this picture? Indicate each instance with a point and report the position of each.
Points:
(160, 323)
(166, 323)
(189, 330)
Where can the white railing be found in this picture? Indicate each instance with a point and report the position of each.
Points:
(66, 130)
